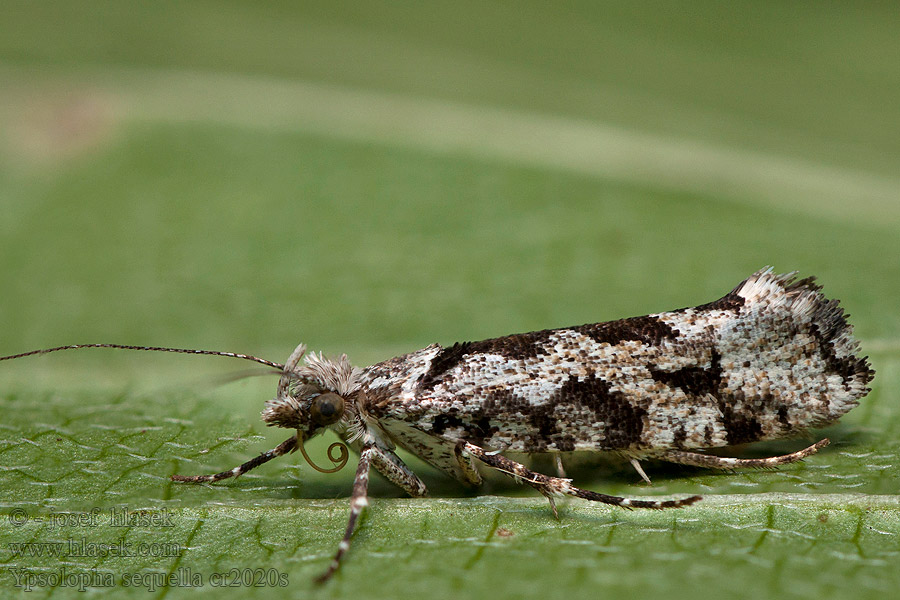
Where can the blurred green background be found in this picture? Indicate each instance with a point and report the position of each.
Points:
(370, 178)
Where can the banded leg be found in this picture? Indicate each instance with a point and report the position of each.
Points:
(358, 502)
(288, 445)
(555, 486)
(395, 470)
(696, 459)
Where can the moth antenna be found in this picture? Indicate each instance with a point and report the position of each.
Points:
(261, 361)
(239, 375)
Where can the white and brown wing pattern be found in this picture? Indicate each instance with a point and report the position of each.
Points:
(772, 358)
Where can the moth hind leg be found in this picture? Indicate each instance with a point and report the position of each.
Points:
(697, 459)
(560, 467)
(552, 487)
(637, 467)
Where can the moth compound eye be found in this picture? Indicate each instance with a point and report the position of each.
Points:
(326, 409)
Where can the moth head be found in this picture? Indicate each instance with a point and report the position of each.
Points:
(311, 396)
(307, 409)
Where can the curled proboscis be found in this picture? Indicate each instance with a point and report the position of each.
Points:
(339, 460)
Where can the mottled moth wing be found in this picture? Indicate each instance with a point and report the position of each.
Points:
(771, 359)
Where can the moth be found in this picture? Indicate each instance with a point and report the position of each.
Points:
(771, 359)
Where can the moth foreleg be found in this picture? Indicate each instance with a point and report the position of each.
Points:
(284, 447)
(358, 502)
(395, 470)
(696, 459)
(556, 486)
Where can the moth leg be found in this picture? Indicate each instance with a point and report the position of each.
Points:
(556, 486)
(395, 470)
(696, 459)
(637, 467)
(560, 469)
(288, 445)
(467, 464)
(358, 502)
